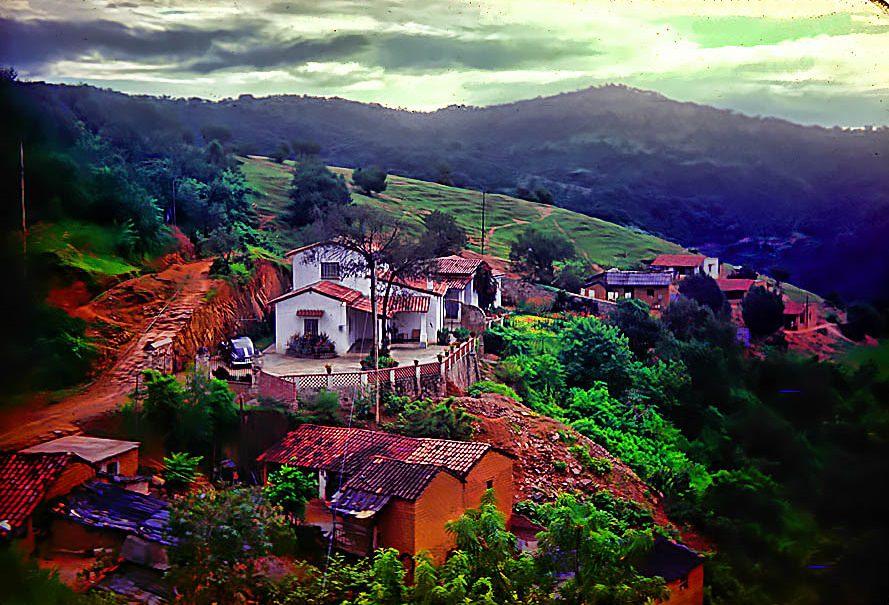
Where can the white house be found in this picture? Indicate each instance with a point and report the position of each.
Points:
(681, 265)
(331, 295)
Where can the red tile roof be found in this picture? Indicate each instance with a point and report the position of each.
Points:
(457, 265)
(24, 480)
(392, 477)
(735, 285)
(309, 312)
(422, 284)
(678, 260)
(356, 300)
(793, 308)
(323, 448)
(412, 304)
(327, 288)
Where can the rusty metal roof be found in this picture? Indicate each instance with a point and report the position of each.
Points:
(323, 448)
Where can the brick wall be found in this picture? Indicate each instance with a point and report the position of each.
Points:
(693, 595)
(494, 467)
(396, 524)
(440, 503)
(76, 473)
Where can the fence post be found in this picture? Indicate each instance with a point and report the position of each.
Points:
(329, 377)
(417, 378)
(362, 378)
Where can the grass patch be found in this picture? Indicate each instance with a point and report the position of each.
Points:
(83, 246)
(597, 241)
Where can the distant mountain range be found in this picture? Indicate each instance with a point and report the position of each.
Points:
(758, 191)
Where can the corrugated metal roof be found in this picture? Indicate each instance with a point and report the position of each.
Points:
(679, 260)
(323, 447)
(615, 278)
(107, 506)
(24, 479)
(358, 503)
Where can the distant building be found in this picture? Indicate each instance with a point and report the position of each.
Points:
(735, 289)
(682, 265)
(799, 315)
(680, 567)
(390, 491)
(650, 287)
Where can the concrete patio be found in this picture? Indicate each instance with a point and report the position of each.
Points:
(404, 353)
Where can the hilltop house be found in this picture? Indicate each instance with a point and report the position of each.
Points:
(651, 287)
(799, 315)
(331, 295)
(682, 265)
(390, 491)
(735, 289)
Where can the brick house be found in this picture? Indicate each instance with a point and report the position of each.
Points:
(390, 491)
(112, 459)
(735, 289)
(651, 287)
(27, 483)
(680, 567)
(799, 315)
(682, 265)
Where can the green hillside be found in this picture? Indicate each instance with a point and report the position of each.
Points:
(598, 241)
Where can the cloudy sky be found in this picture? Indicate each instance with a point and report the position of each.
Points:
(812, 61)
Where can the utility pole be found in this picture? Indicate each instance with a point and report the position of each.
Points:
(24, 215)
(483, 220)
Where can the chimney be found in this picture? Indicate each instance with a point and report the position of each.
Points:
(428, 283)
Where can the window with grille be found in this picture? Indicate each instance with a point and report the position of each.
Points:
(330, 270)
(310, 326)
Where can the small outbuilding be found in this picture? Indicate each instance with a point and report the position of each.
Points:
(680, 567)
(651, 287)
(111, 458)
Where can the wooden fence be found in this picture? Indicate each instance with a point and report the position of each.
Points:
(420, 379)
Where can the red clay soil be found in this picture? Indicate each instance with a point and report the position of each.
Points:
(152, 307)
(537, 442)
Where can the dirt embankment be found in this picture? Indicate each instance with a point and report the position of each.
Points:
(541, 448)
(181, 303)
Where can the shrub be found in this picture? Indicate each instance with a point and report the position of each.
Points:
(424, 418)
(316, 346)
(763, 311)
(324, 408)
(181, 469)
(384, 361)
(290, 488)
(443, 336)
(560, 465)
(487, 386)
(461, 334)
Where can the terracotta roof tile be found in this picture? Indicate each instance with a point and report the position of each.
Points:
(457, 265)
(24, 479)
(731, 284)
(678, 260)
(323, 447)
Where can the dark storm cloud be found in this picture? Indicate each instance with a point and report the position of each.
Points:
(285, 53)
(34, 43)
(424, 52)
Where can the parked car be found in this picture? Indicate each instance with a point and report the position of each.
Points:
(238, 352)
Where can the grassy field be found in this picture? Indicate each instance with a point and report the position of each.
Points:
(599, 242)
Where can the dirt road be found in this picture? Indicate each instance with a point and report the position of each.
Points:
(187, 285)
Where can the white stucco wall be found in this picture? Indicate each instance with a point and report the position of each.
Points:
(306, 268)
(711, 267)
(287, 323)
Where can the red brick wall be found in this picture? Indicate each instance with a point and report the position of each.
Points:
(395, 526)
(75, 474)
(598, 291)
(128, 461)
(693, 595)
(439, 503)
(492, 467)
(69, 535)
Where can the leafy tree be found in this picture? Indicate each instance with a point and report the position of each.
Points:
(219, 536)
(370, 180)
(290, 488)
(446, 236)
(490, 550)
(570, 274)
(544, 196)
(180, 469)
(442, 420)
(862, 319)
(705, 291)
(633, 317)
(592, 351)
(387, 587)
(485, 285)
(281, 153)
(323, 408)
(535, 251)
(303, 147)
(315, 191)
(212, 132)
(762, 310)
(584, 540)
